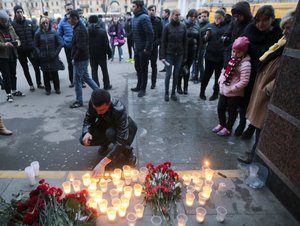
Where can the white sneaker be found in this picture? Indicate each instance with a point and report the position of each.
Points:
(10, 98)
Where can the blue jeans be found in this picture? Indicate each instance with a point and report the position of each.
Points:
(176, 61)
(81, 73)
(120, 50)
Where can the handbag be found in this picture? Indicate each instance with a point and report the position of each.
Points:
(121, 41)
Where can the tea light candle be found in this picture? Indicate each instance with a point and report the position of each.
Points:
(118, 173)
(127, 191)
(114, 193)
(134, 175)
(103, 205)
(198, 186)
(116, 202)
(92, 203)
(125, 201)
(76, 185)
(201, 199)
(139, 210)
(182, 219)
(67, 187)
(200, 214)
(111, 213)
(103, 185)
(189, 199)
(209, 173)
(86, 179)
(186, 179)
(137, 190)
(122, 211)
(120, 185)
(98, 196)
(206, 191)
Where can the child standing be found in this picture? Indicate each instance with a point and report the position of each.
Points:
(232, 83)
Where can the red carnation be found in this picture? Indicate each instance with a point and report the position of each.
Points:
(28, 219)
(168, 164)
(42, 181)
(21, 206)
(149, 166)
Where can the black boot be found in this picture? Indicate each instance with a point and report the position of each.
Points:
(248, 133)
(179, 90)
(214, 96)
(239, 130)
(167, 96)
(202, 95)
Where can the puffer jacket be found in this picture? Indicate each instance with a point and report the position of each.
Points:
(142, 31)
(174, 40)
(47, 48)
(25, 30)
(5, 50)
(65, 32)
(239, 80)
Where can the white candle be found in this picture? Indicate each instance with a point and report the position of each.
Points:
(189, 199)
(86, 178)
(36, 168)
(76, 185)
(111, 213)
(103, 205)
(67, 187)
(103, 185)
(200, 214)
(139, 210)
(29, 171)
(137, 190)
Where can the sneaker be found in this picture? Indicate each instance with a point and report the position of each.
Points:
(174, 97)
(224, 132)
(32, 88)
(40, 86)
(141, 93)
(18, 94)
(108, 87)
(76, 104)
(10, 98)
(217, 128)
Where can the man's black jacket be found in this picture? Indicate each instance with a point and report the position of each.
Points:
(80, 43)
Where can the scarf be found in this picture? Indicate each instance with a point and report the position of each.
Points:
(229, 71)
(281, 42)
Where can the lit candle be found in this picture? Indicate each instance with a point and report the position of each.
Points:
(92, 187)
(118, 173)
(189, 199)
(206, 191)
(131, 219)
(209, 173)
(103, 205)
(122, 211)
(127, 178)
(182, 219)
(127, 191)
(137, 190)
(120, 185)
(92, 193)
(186, 179)
(103, 185)
(209, 183)
(115, 179)
(67, 187)
(111, 213)
(76, 185)
(201, 199)
(92, 203)
(139, 210)
(114, 193)
(196, 177)
(200, 214)
(198, 186)
(126, 169)
(98, 196)
(94, 180)
(116, 202)
(86, 178)
(134, 175)
(125, 201)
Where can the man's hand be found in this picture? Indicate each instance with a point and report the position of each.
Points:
(87, 139)
(9, 44)
(100, 168)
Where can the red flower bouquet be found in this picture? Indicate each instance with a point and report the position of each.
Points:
(162, 190)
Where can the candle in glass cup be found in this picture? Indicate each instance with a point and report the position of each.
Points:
(200, 214)
(122, 211)
(92, 187)
(127, 178)
(196, 177)
(103, 205)
(114, 193)
(186, 179)
(126, 170)
(125, 201)
(209, 173)
(94, 180)
(86, 179)
(111, 213)
(92, 203)
(76, 185)
(127, 191)
(137, 190)
(103, 185)
(139, 210)
(67, 187)
(98, 196)
(120, 185)
(118, 173)
(189, 199)
(134, 175)
(116, 202)
(206, 191)
(182, 219)
(198, 186)
(131, 219)
(201, 199)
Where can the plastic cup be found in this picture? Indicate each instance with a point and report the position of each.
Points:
(189, 199)
(134, 175)
(143, 170)
(127, 191)
(137, 190)
(120, 185)
(182, 219)
(221, 189)
(190, 188)
(198, 186)
(67, 187)
(118, 173)
(200, 214)
(156, 220)
(201, 199)
(139, 210)
(76, 185)
(111, 213)
(116, 203)
(131, 219)
(103, 185)
(114, 193)
(253, 170)
(103, 205)
(36, 167)
(29, 171)
(221, 213)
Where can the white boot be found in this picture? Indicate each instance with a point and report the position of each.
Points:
(3, 130)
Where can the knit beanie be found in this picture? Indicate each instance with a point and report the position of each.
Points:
(3, 15)
(241, 43)
(17, 7)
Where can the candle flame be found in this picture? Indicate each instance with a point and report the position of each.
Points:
(206, 163)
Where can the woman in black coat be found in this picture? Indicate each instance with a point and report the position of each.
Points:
(47, 48)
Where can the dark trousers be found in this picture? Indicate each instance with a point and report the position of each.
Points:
(185, 75)
(153, 61)
(141, 62)
(23, 55)
(130, 47)
(8, 70)
(210, 68)
(231, 105)
(94, 66)
(198, 66)
(176, 61)
(70, 65)
(48, 76)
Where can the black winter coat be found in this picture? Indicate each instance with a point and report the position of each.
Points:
(47, 48)
(174, 40)
(128, 29)
(80, 43)
(157, 29)
(98, 43)
(25, 30)
(193, 37)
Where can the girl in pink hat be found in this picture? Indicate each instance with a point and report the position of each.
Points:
(232, 83)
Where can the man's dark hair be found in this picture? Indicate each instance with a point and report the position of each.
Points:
(151, 6)
(74, 13)
(100, 16)
(167, 11)
(205, 11)
(93, 19)
(68, 4)
(266, 10)
(100, 97)
(138, 3)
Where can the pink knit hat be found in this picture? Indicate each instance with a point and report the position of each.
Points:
(241, 43)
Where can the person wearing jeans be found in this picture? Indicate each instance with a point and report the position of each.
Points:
(80, 57)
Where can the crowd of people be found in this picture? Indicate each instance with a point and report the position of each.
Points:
(241, 50)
